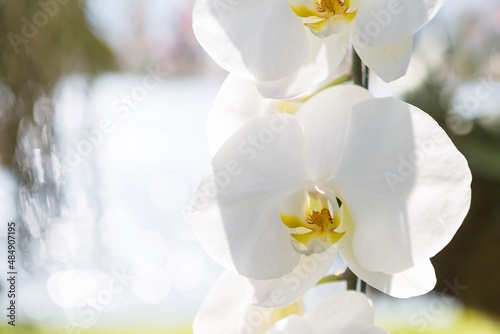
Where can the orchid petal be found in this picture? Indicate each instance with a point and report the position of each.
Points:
(293, 210)
(332, 26)
(292, 324)
(361, 328)
(305, 8)
(389, 62)
(412, 282)
(236, 103)
(337, 310)
(226, 309)
(324, 119)
(385, 22)
(353, 6)
(404, 182)
(236, 209)
(285, 290)
(326, 62)
(251, 38)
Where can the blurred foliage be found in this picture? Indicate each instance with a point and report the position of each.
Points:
(24, 329)
(31, 329)
(38, 45)
(468, 323)
(473, 255)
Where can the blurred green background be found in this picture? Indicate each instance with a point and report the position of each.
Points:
(454, 76)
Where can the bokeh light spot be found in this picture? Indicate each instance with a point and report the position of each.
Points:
(168, 191)
(151, 285)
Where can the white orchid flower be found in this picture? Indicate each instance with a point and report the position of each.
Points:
(376, 178)
(237, 103)
(291, 47)
(226, 310)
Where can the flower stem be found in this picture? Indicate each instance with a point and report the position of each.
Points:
(351, 279)
(360, 74)
(357, 73)
(347, 276)
(360, 77)
(331, 278)
(362, 287)
(338, 81)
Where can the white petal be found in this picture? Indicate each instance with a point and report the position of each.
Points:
(295, 205)
(259, 39)
(324, 119)
(236, 103)
(292, 324)
(354, 6)
(334, 25)
(404, 182)
(413, 282)
(339, 309)
(323, 65)
(285, 290)
(361, 328)
(236, 209)
(385, 22)
(388, 62)
(226, 310)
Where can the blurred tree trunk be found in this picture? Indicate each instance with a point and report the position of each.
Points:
(40, 43)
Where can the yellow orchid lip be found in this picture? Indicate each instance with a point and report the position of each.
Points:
(326, 16)
(336, 7)
(317, 232)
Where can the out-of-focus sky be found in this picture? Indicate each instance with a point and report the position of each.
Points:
(142, 30)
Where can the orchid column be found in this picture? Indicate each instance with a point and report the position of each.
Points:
(334, 171)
